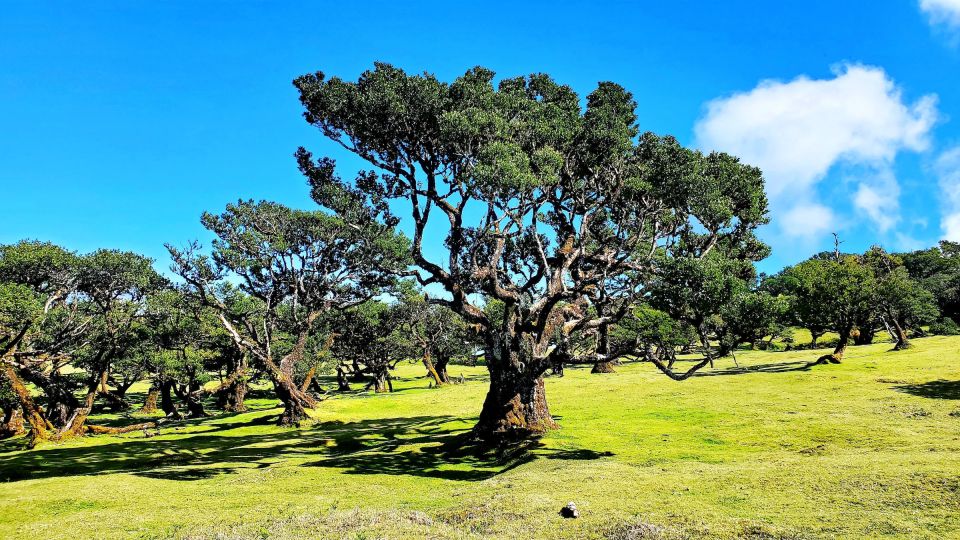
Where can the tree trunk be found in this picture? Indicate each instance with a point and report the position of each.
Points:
(603, 367)
(343, 382)
(295, 402)
(76, 424)
(814, 336)
(39, 425)
(192, 396)
(232, 397)
(166, 400)
(902, 341)
(11, 424)
(515, 407)
(150, 403)
(432, 370)
(516, 403)
(603, 364)
(380, 381)
(841, 348)
(864, 336)
(440, 364)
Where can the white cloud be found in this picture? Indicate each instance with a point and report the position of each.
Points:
(878, 198)
(945, 12)
(948, 172)
(797, 131)
(808, 220)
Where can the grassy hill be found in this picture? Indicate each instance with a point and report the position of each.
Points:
(869, 448)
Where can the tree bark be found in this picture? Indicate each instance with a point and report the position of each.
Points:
(232, 397)
(516, 403)
(440, 364)
(901, 334)
(432, 370)
(150, 403)
(39, 425)
(865, 335)
(380, 380)
(515, 407)
(11, 424)
(295, 402)
(343, 382)
(603, 363)
(166, 400)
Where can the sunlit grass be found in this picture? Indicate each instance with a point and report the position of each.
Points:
(868, 448)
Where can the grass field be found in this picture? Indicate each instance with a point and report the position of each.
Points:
(866, 449)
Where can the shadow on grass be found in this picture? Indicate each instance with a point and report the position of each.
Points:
(420, 446)
(777, 367)
(939, 389)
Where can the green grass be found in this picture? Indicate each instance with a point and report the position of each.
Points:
(866, 449)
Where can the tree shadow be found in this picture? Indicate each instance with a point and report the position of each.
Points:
(939, 389)
(428, 446)
(777, 367)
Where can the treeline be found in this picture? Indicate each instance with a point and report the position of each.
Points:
(81, 330)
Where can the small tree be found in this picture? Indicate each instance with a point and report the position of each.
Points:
(370, 342)
(295, 266)
(432, 332)
(832, 291)
(901, 301)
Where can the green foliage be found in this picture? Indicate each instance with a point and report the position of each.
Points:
(828, 293)
(544, 203)
(938, 271)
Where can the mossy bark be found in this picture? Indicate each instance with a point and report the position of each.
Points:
(516, 403)
(150, 403)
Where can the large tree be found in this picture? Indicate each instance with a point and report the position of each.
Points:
(293, 266)
(516, 193)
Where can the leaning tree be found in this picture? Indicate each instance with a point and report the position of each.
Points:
(516, 193)
(71, 317)
(293, 266)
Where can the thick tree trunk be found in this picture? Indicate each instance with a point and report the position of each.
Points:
(380, 381)
(39, 426)
(77, 423)
(232, 397)
(440, 364)
(432, 370)
(115, 401)
(192, 396)
(603, 367)
(814, 336)
(150, 403)
(515, 407)
(516, 403)
(864, 335)
(603, 364)
(295, 402)
(343, 382)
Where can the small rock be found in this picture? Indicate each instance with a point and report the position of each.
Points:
(569, 511)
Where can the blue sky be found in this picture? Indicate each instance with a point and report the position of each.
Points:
(121, 122)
